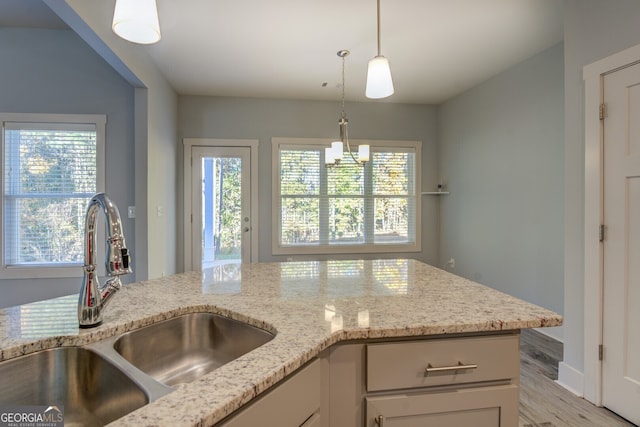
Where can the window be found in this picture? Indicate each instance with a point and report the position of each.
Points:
(52, 166)
(345, 209)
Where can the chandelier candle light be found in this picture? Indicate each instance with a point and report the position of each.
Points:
(333, 155)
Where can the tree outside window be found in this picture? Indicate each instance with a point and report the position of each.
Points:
(50, 172)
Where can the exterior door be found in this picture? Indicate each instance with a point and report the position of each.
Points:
(221, 222)
(621, 272)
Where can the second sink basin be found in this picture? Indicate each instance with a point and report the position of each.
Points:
(184, 348)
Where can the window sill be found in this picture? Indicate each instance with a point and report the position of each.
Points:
(344, 249)
(41, 272)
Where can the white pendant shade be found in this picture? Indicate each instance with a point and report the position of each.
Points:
(379, 82)
(363, 153)
(337, 147)
(136, 21)
(329, 158)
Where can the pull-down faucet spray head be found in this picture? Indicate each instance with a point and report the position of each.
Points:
(93, 297)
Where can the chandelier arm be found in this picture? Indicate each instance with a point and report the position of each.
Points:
(349, 147)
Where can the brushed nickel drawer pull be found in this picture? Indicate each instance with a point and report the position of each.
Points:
(459, 367)
(379, 421)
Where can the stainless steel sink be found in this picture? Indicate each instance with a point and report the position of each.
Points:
(92, 390)
(182, 349)
(103, 381)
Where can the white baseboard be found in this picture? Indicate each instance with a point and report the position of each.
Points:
(571, 379)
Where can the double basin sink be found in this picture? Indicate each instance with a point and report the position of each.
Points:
(101, 382)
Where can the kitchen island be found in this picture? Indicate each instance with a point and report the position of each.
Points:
(311, 307)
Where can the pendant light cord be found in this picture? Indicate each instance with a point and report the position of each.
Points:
(378, 11)
(343, 113)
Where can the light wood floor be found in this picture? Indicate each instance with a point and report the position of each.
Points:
(543, 403)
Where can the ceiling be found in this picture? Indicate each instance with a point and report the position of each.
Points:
(287, 48)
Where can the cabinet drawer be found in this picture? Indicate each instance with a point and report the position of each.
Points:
(442, 361)
(493, 406)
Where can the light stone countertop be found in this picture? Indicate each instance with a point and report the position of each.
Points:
(309, 305)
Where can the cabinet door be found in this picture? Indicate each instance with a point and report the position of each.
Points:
(494, 406)
(291, 404)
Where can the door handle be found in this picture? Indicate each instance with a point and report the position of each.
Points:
(246, 229)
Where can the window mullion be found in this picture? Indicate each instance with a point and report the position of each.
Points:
(323, 202)
(11, 216)
(411, 199)
(369, 204)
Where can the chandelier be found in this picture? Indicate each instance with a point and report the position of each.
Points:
(333, 155)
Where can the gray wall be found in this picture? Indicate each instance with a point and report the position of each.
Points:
(262, 119)
(593, 29)
(54, 71)
(501, 155)
(155, 124)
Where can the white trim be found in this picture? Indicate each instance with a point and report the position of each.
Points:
(100, 121)
(215, 142)
(277, 249)
(570, 378)
(593, 216)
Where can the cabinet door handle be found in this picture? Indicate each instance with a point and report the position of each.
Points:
(459, 367)
(379, 421)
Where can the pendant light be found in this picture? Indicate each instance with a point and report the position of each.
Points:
(136, 21)
(333, 155)
(379, 82)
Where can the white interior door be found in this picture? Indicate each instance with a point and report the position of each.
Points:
(621, 295)
(220, 205)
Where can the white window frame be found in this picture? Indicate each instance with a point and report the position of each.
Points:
(360, 248)
(48, 270)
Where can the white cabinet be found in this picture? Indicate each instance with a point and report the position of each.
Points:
(427, 381)
(465, 380)
(488, 406)
(294, 403)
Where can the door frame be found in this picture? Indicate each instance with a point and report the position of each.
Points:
(188, 144)
(593, 76)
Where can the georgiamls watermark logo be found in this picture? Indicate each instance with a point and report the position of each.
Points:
(31, 416)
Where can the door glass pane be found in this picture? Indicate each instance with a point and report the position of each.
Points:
(221, 210)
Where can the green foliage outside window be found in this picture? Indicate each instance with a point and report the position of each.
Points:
(50, 175)
(347, 204)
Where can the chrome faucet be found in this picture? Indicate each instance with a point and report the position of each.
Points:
(93, 297)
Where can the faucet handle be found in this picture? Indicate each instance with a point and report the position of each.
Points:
(119, 261)
(126, 259)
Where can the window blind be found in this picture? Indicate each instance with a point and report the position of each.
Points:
(348, 204)
(49, 176)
